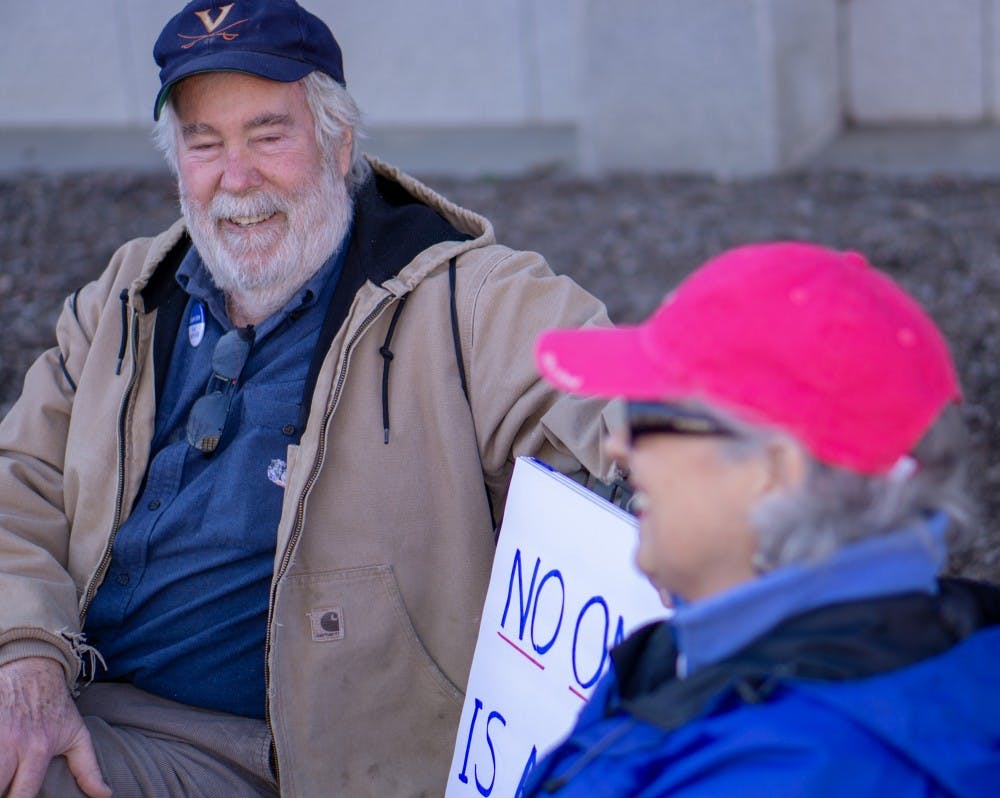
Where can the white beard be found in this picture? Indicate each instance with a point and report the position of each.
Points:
(260, 270)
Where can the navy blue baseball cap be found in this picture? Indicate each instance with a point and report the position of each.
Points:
(274, 39)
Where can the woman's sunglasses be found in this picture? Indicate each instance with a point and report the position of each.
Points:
(658, 418)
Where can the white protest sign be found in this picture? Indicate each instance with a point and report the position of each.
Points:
(564, 589)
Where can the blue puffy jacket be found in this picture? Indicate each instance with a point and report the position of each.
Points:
(776, 720)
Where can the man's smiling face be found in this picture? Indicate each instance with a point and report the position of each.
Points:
(261, 201)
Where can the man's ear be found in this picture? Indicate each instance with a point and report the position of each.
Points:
(344, 149)
(785, 465)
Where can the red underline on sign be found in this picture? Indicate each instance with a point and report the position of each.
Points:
(577, 693)
(521, 651)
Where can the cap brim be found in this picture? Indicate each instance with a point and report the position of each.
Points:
(599, 362)
(263, 65)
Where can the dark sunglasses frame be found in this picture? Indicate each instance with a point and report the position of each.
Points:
(659, 418)
(209, 413)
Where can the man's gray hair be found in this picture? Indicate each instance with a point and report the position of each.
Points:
(332, 107)
(334, 110)
(834, 507)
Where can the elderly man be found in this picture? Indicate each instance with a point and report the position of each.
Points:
(246, 502)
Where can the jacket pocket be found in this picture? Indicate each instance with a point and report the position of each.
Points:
(358, 704)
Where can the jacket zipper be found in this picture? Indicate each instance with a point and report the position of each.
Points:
(123, 413)
(286, 557)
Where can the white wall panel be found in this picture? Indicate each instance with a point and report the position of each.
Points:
(725, 86)
(807, 76)
(431, 63)
(558, 27)
(991, 14)
(144, 21)
(60, 64)
(915, 60)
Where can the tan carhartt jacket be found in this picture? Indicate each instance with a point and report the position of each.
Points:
(395, 539)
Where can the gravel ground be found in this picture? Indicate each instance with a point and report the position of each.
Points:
(627, 239)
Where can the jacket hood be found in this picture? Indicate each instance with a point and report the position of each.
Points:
(402, 230)
(404, 191)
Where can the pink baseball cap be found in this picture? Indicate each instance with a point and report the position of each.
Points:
(807, 339)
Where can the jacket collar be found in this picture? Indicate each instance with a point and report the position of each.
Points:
(847, 636)
(853, 640)
(394, 230)
(396, 220)
(901, 562)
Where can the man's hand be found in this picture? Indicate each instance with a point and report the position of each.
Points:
(38, 722)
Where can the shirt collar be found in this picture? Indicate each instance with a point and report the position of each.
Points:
(193, 276)
(906, 561)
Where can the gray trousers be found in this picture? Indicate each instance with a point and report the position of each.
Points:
(149, 747)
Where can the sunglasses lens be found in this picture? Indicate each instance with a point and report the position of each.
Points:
(645, 418)
(231, 352)
(206, 421)
(208, 415)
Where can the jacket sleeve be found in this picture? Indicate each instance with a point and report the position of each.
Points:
(509, 297)
(39, 610)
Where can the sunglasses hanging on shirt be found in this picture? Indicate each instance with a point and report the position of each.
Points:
(209, 413)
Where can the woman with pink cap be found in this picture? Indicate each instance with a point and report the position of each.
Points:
(796, 449)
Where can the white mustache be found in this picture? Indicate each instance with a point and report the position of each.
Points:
(262, 203)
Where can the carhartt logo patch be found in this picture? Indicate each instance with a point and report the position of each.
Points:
(213, 26)
(327, 624)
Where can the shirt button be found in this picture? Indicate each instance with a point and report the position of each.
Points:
(123, 579)
(154, 505)
(288, 429)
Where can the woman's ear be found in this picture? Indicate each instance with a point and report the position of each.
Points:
(785, 464)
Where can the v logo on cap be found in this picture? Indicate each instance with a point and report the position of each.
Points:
(206, 17)
(212, 26)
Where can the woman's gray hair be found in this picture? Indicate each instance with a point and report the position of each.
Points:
(332, 107)
(834, 507)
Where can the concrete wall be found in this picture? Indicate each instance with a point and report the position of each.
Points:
(466, 83)
(918, 60)
(70, 64)
(730, 87)
(437, 63)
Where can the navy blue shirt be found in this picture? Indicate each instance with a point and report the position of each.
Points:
(182, 611)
